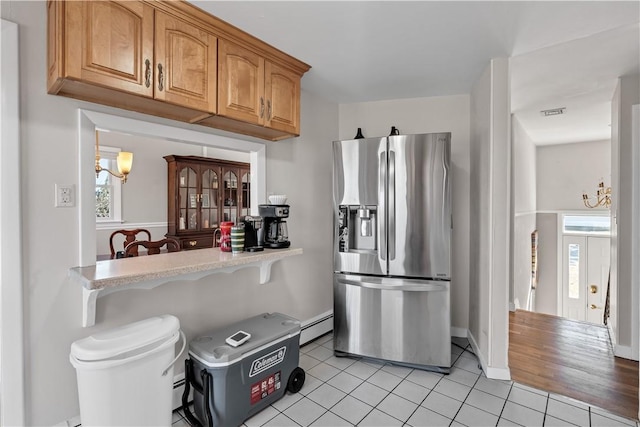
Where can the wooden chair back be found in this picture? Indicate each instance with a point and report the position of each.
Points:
(153, 247)
(129, 236)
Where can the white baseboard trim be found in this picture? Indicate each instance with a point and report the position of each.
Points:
(490, 372)
(624, 351)
(316, 327)
(459, 332)
(71, 422)
(178, 389)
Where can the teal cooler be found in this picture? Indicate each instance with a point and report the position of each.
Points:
(231, 384)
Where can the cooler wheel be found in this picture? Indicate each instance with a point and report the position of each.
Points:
(296, 380)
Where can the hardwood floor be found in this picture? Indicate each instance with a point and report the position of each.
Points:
(571, 358)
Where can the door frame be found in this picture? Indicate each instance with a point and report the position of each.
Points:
(12, 384)
(587, 245)
(560, 251)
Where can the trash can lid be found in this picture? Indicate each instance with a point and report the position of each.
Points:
(129, 339)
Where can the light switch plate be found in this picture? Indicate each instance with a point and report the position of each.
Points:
(65, 196)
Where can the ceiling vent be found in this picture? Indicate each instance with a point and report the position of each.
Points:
(553, 111)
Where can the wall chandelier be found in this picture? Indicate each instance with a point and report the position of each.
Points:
(124, 160)
(603, 197)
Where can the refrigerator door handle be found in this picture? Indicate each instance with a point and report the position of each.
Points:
(392, 205)
(382, 223)
(410, 287)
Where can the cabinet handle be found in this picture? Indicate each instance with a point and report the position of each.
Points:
(593, 306)
(261, 107)
(160, 78)
(192, 243)
(268, 110)
(147, 73)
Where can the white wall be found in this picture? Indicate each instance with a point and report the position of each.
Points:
(12, 396)
(301, 286)
(565, 171)
(490, 222)
(547, 290)
(524, 203)
(624, 296)
(424, 115)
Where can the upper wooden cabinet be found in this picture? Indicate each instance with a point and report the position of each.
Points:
(105, 50)
(186, 64)
(171, 59)
(105, 43)
(257, 91)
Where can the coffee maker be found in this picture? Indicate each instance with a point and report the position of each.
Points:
(274, 225)
(253, 233)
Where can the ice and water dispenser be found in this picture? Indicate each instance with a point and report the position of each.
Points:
(357, 228)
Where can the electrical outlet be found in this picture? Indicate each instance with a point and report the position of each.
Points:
(65, 196)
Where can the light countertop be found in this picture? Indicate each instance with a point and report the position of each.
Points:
(127, 271)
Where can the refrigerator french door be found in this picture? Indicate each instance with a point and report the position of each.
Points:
(392, 237)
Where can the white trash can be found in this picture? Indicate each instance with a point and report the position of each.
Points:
(125, 375)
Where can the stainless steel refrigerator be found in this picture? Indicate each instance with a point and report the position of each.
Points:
(392, 249)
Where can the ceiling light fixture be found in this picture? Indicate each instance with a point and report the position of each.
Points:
(603, 197)
(553, 111)
(124, 159)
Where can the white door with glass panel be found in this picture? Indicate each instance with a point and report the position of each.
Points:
(585, 272)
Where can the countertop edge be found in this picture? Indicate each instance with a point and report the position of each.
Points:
(121, 272)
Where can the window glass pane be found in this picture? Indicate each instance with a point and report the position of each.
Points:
(108, 202)
(103, 201)
(574, 271)
(589, 224)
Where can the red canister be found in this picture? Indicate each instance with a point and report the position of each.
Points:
(225, 236)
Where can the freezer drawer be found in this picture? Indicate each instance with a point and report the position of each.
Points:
(406, 321)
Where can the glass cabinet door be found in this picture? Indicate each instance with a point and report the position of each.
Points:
(209, 199)
(230, 196)
(188, 199)
(245, 195)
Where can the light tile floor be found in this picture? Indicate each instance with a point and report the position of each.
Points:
(350, 391)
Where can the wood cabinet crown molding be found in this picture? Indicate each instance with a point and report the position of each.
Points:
(163, 58)
(229, 32)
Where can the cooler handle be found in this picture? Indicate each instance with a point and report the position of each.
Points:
(188, 376)
(184, 345)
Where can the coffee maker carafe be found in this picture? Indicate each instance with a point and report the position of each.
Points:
(274, 225)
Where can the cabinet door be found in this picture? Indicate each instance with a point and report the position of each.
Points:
(240, 84)
(185, 69)
(110, 43)
(188, 198)
(209, 201)
(282, 89)
(230, 195)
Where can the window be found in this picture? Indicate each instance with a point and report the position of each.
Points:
(108, 188)
(574, 271)
(586, 224)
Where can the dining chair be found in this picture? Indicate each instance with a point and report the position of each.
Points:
(129, 236)
(153, 247)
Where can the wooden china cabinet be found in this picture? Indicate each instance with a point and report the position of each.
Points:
(203, 192)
